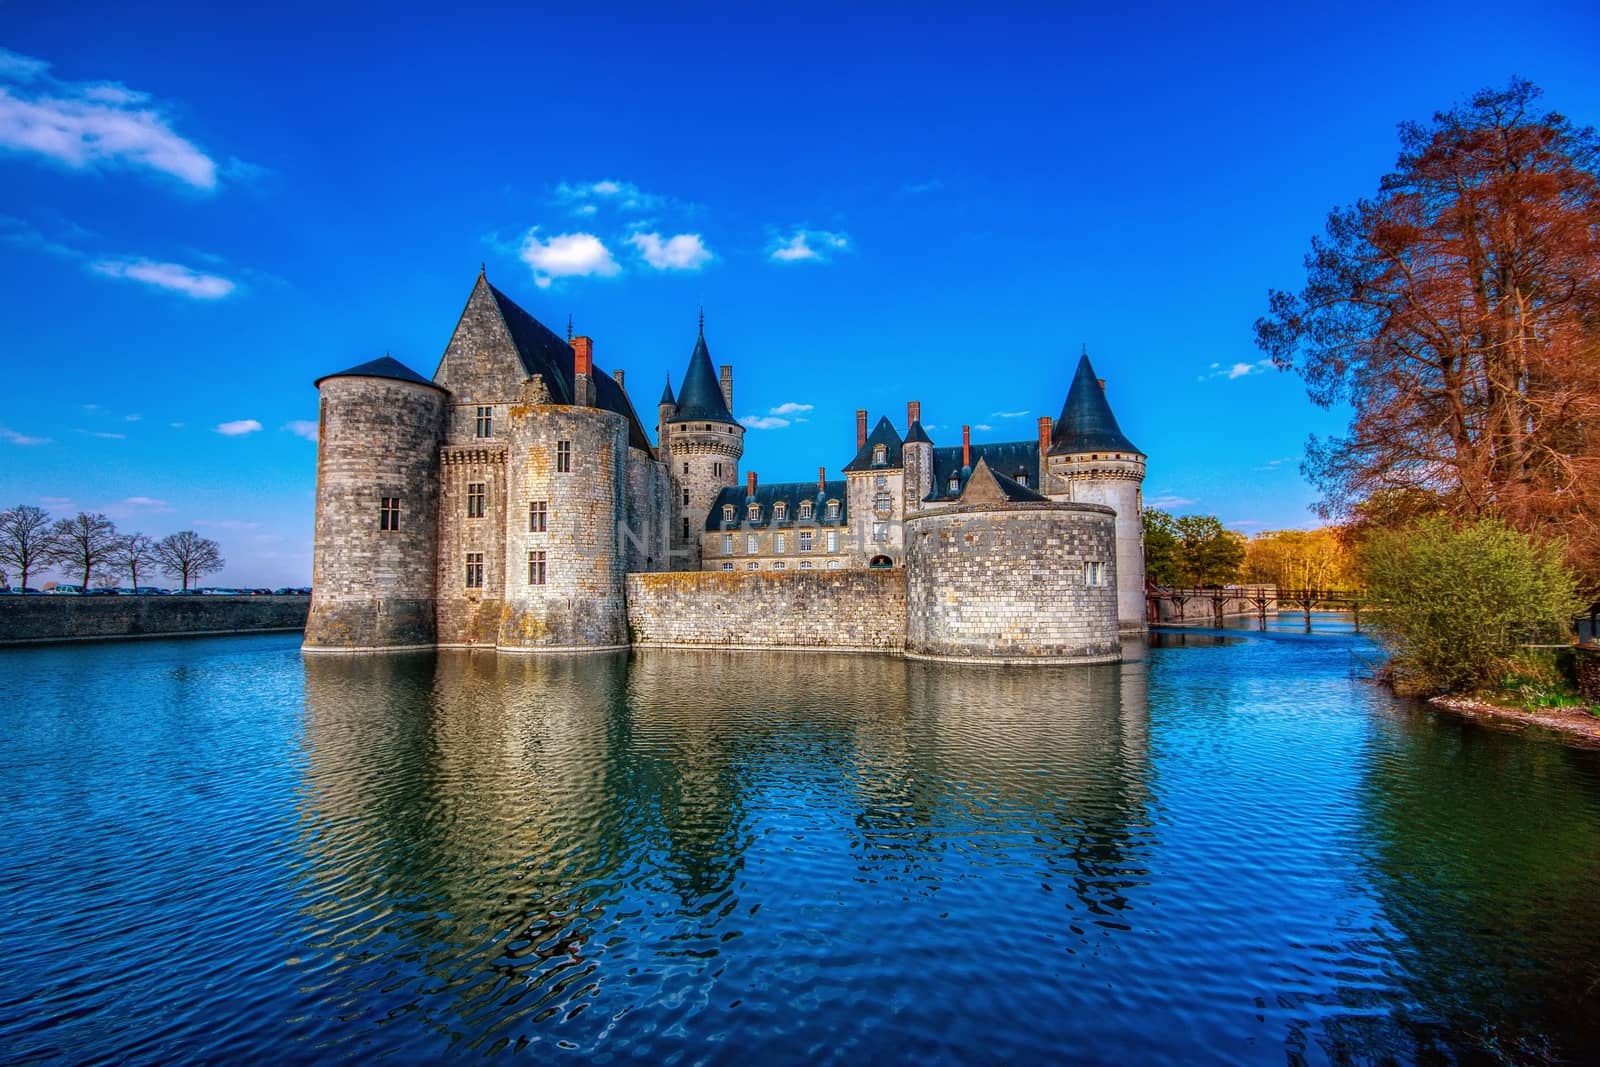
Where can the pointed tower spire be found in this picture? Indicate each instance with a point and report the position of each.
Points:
(701, 398)
(569, 327)
(667, 399)
(1086, 423)
(702, 320)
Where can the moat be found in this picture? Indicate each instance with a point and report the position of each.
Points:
(1222, 850)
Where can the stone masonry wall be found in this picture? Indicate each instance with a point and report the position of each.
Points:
(850, 610)
(1008, 582)
(33, 619)
(701, 450)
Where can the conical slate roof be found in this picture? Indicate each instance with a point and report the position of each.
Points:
(1086, 423)
(916, 435)
(700, 399)
(883, 434)
(384, 367)
(666, 394)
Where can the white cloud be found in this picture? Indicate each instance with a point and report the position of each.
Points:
(807, 245)
(585, 198)
(684, 251)
(12, 436)
(145, 502)
(790, 408)
(1008, 414)
(106, 435)
(928, 186)
(306, 428)
(226, 524)
(173, 276)
(89, 125)
(1170, 500)
(1234, 371)
(55, 502)
(177, 425)
(566, 255)
(132, 418)
(764, 422)
(1273, 464)
(238, 427)
(982, 426)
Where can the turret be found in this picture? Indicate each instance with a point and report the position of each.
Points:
(1091, 461)
(664, 410)
(374, 567)
(702, 443)
(918, 459)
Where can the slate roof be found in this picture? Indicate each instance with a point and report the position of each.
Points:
(1006, 459)
(1086, 423)
(916, 435)
(383, 367)
(666, 394)
(791, 493)
(997, 485)
(547, 355)
(700, 398)
(882, 434)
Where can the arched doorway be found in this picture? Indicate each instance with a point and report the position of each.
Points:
(879, 563)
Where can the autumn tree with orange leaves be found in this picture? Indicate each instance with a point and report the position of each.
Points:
(1458, 313)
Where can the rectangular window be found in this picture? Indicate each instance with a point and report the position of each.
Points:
(833, 564)
(833, 540)
(474, 570)
(536, 567)
(780, 566)
(389, 513)
(686, 498)
(727, 544)
(686, 529)
(716, 469)
(752, 566)
(751, 545)
(805, 564)
(805, 540)
(727, 566)
(1094, 573)
(880, 531)
(833, 509)
(780, 544)
(563, 457)
(475, 496)
(537, 514)
(486, 422)
(686, 468)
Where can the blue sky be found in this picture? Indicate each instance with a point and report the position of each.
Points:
(200, 213)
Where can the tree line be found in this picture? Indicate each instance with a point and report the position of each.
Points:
(89, 543)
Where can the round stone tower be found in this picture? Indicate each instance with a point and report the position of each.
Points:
(565, 510)
(1091, 461)
(702, 443)
(374, 563)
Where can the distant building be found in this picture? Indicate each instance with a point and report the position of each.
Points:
(503, 502)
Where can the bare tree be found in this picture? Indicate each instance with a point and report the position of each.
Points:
(135, 553)
(186, 555)
(84, 542)
(26, 542)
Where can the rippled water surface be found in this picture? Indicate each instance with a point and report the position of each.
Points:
(1227, 850)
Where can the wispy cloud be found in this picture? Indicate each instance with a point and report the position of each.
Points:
(802, 245)
(764, 422)
(684, 251)
(15, 438)
(567, 255)
(914, 188)
(1234, 371)
(93, 125)
(1009, 414)
(1170, 500)
(983, 426)
(134, 506)
(171, 276)
(791, 408)
(55, 503)
(145, 502)
(1273, 464)
(306, 428)
(777, 418)
(226, 524)
(586, 198)
(238, 427)
(105, 434)
(132, 418)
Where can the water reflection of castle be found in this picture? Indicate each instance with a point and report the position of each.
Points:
(505, 817)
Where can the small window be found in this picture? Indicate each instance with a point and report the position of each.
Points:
(1022, 479)
(716, 469)
(880, 563)
(755, 512)
(881, 480)
(727, 566)
(806, 509)
(563, 457)
(485, 422)
(536, 572)
(686, 529)
(880, 531)
(728, 513)
(686, 468)
(833, 564)
(780, 544)
(475, 495)
(880, 454)
(752, 544)
(537, 514)
(474, 570)
(727, 544)
(805, 564)
(389, 513)
(780, 566)
(780, 511)
(686, 498)
(805, 540)
(752, 566)
(1094, 573)
(833, 540)
(882, 502)
(833, 509)
(955, 484)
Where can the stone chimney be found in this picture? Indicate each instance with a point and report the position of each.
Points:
(583, 371)
(966, 446)
(861, 428)
(1102, 382)
(1044, 436)
(727, 386)
(822, 480)
(750, 485)
(618, 376)
(913, 413)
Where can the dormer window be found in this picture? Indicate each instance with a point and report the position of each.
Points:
(727, 513)
(955, 484)
(1022, 479)
(880, 454)
(755, 512)
(805, 509)
(833, 509)
(780, 511)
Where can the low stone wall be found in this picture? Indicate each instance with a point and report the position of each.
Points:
(1589, 672)
(36, 619)
(849, 611)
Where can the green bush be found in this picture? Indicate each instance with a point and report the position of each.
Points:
(1460, 603)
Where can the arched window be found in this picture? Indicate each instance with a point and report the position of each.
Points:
(727, 513)
(755, 512)
(880, 563)
(780, 511)
(805, 509)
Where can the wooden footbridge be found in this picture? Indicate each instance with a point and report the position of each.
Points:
(1212, 604)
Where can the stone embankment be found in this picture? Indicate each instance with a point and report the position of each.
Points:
(844, 611)
(26, 620)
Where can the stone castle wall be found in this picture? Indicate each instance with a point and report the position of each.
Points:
(848, 610)
(1008, 583)
(694, 452)
(374, 588)
(1113, 480)
(28, 620)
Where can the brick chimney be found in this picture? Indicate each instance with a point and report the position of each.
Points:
(1102, 382)
(618, 376)
(1044, 436)
(750, 484)
(966, 446)
(822, 479)
(583, 371)
(913, 413)
(727, 386)
(861, 428)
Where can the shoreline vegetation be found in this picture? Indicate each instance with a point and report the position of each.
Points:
(1576, 724)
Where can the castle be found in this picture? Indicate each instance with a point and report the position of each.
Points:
(513, 501)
